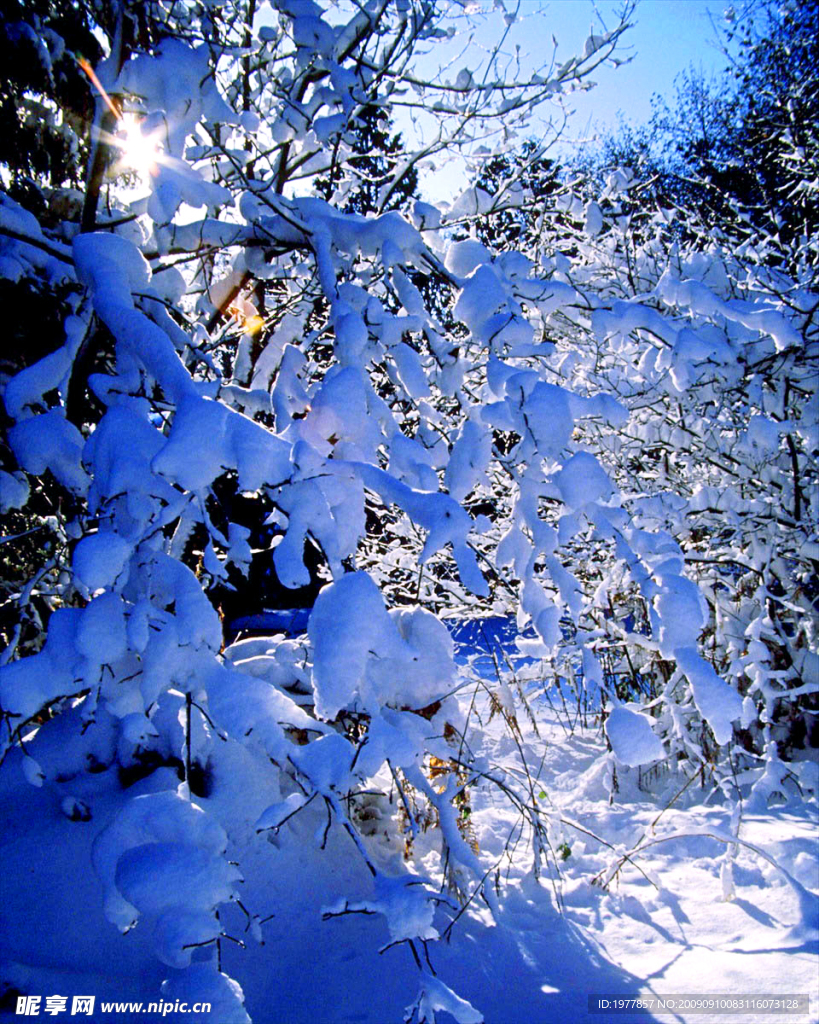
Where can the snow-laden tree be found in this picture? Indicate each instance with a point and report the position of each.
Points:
(710, 352)
(453, 428)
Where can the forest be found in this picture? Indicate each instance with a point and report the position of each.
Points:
(408, 605)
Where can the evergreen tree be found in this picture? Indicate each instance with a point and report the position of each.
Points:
(367, 178)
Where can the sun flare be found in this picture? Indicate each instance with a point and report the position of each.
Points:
(141, 151)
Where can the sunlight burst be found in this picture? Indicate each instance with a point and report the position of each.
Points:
(141, 151)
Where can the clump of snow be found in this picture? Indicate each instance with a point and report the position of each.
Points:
(162, 859)
(462, 258)
(593, 223)
(203, 983)
(49, 441)
(207, 438)
(435, 996)
(155, 877)
(583, 480)
(276, 814)
(14, 491)
(326, 763)
(364, 655)
(682, 613)
(75, 742)
(719, 704)
(405, 902)
(33, 772)
(31, 683)
(632, 738)
(100, 559)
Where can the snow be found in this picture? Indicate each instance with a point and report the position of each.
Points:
(30, 684)
(701, 299)
(338, 411)
(410, 370)
(100, 558)
(202, 983)
(468, 460)
(155, 877)
(249, 707)
(127, 426)
(435, 995)
(445, 521)
(593, 223)
(632, 739)
(583, 480)
(14, 491)
(25, 391)
(719, 704)
(276, 814)
(101, 634)
(364, 656)
(49, 441)
(75, 742)
(545, 411)
(482, 296)
(178, 930)
(534, 962)
(682, 614)
(404, 902)
(764, 433)
(176, 87)
(462, 258)
(33, 773)
(326, 763)
(113, 268)
(207, 438)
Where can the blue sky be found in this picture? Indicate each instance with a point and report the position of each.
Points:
(667, 37)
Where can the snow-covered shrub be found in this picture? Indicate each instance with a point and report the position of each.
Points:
(697, 596)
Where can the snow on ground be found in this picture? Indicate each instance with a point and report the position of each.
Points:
(662, 926)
